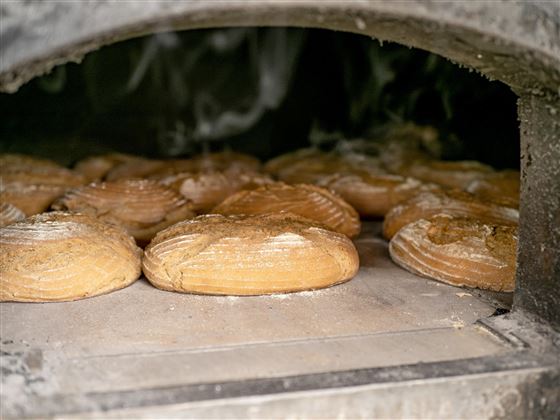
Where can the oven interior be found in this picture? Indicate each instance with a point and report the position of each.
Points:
(261, 91)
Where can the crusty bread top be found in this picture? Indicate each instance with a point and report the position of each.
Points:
(306, 200)
(59, 225)
(454, 202)
(139, 201)
(10, 214)
(250, 227)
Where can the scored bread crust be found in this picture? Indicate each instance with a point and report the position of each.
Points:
(32, 184)
(453, 202)
(207, 189)
(374, 195)
(458, 251)
(61, 256)
(143, 207)
(95, 168)
(10, 214)
(309, 201)
(254, 255)
(503, 184)
(454, 174)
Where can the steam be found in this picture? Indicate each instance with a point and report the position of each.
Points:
(199, 113)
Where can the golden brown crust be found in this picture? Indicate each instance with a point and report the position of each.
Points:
(10, 214)
(205, 190)
(374, 195)
(277, 164)
(60, 256)
(95, 168)
(309, 201)
(458, 251)
(314, 168)
(253, 255)
(142, 207)
(32, 184)
(503, 185)
(455, 174)
(453, 202)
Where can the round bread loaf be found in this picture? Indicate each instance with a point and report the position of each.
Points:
(10, 214)
(226, 161)
(313, 169)
(504, 184)
(455, 174)
(205, 190)
(95, 168)
(253, 255)
(453, 202)
(135, 168)
(277, 164)
(143, 207)
(61, 256)
(309, 201)
(458, 251)
(32, 184)
(374, 195)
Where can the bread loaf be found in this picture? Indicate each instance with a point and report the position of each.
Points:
(32, 184)
(205, 190)
(61, 256)
(313, 169)
(455, 174)
(374, 195)
(453, 202)
(305, 200)
(504, 185)
(458, 251)
(253, 255)
(143, 207)
(10, 214)
(95, 168)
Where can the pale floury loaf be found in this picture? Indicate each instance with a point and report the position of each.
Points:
(61, 256)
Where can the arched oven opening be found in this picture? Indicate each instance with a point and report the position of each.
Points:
(229, 84)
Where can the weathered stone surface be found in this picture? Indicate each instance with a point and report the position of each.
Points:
(518, 43)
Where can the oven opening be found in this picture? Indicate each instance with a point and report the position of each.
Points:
(360, 109)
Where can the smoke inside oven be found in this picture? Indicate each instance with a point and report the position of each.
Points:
(263, 91)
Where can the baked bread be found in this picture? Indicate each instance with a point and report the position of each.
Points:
(309, 201)
(143, 207)
(10, 214)
(455, 174)
(313, 169)
(458, 251)
(503, 184)
(32, 184)
(226, 161)
(61, 256)
(277, 164)
(205, 190)
(95, 168)
(374, 195)
(453, 202)
(252, 255)
(406, 143)
(136, 168)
